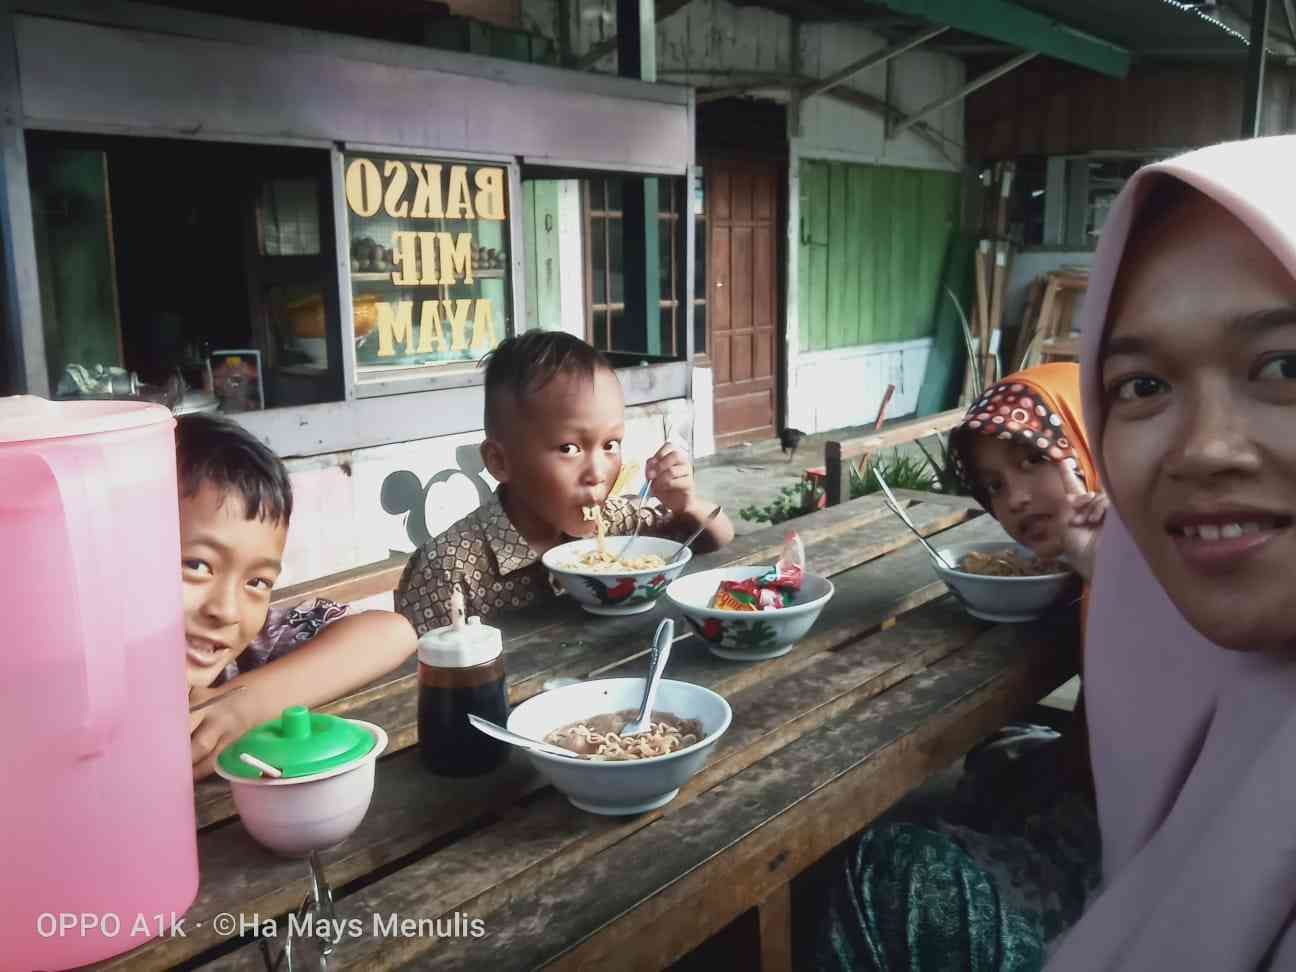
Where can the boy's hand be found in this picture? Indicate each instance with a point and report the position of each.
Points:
(672, 478)
(215, 727)
(1080, 532)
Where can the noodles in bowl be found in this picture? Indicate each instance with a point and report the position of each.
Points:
(996, 580)
(621, 785)
(597, 738)
(600, 560)
(605, 585)
(1007, 563)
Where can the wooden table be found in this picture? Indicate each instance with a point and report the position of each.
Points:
(894, 682)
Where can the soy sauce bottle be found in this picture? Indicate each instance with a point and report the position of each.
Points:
(461, 671)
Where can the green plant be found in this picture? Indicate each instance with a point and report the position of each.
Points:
(947, 480)
(978, 385)
(793, 501)
(899, 471)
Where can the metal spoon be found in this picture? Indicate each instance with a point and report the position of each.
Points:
(894, 506)
(656, 665)
(695, 534)
(503, 735)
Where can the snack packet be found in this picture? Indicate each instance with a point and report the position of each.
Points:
(770, 591)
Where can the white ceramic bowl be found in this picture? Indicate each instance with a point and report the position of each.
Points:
(748, 635)
(293, 817)
(631, 786)
(625, 592)
(1000, 599)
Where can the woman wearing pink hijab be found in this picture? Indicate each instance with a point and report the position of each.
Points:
(1189, 385)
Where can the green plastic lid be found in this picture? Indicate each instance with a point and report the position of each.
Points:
(298, 743)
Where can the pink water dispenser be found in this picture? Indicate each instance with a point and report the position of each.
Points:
(97, 837)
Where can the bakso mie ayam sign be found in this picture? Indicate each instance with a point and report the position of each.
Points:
(440, 229)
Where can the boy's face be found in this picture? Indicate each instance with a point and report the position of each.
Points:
(229, 564)
(1027, 493)
(561, 450)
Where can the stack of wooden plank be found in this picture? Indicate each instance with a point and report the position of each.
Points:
(992, 259)
(1046, 324)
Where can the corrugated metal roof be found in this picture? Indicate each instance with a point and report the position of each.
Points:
(1178, 30)
(1154, 28)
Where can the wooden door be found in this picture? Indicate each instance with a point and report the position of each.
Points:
(743, 307)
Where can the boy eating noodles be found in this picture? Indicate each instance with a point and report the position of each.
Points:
(235, 503)
(555, 418)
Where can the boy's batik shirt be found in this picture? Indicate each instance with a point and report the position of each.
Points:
(285, 629)
(494, 565)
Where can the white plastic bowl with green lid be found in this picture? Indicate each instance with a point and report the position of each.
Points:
(325, 783)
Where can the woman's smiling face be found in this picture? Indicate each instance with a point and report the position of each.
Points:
(1199, 395)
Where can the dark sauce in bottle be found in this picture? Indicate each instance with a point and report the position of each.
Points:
(448, 744)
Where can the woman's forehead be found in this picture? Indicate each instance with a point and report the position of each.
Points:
(1200, 265)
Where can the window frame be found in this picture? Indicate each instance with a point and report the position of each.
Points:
(680, 274)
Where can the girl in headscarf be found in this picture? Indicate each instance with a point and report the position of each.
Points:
(1015, 447)
(1010, 862)
(1189, 373)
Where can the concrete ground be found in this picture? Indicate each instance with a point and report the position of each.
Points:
(754, 473)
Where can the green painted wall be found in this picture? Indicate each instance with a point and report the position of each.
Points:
(872, 252)
(540, 233)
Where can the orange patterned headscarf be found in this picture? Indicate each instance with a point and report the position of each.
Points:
(1038, 408)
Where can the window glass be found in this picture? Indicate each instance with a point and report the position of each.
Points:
(197, 274)
(430, 264)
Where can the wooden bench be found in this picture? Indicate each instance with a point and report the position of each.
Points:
(355, 584)
(841, 456)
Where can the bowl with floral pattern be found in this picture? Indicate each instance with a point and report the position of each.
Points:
(616, 589)
(748, 635)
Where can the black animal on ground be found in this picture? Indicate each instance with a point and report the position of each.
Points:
(790, 438)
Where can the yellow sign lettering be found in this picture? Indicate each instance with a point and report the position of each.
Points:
(456, 257)
(430, 336)
(458, 198)
(427, 257)
(427, 191)
(458, 323)
(363, 187)
(395, 325)
(484, 338)
(490, 193)
(394, 202)
(403, 255)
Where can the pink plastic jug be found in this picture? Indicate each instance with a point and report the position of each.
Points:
(97, 837)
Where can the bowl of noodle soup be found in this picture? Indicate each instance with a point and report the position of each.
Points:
(619, 782)
(1002, 581)
(605, 586)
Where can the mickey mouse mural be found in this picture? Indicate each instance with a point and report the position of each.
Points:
(403, 494)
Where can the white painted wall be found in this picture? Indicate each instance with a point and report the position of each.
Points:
(338, 520)
(831, 129)
(843, 387)
(704, 412)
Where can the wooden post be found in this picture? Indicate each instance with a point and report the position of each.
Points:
(836, 474)
(637, 58)
(775, 924)
(1254, 104)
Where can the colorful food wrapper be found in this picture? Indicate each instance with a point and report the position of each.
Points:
(770, 591)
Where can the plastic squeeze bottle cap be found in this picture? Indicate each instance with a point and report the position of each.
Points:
(463, 643)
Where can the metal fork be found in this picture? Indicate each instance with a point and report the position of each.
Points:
(643, 492)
